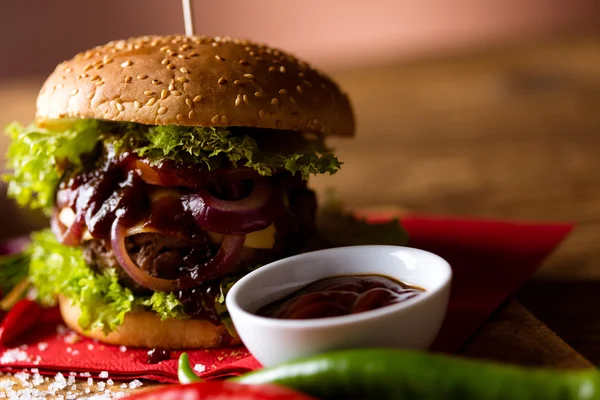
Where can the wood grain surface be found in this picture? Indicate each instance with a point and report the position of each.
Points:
(504, 133)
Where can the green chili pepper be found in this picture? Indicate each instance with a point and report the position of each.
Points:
(398, 374)
(185, 374)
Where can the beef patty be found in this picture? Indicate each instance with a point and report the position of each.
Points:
(170, 256)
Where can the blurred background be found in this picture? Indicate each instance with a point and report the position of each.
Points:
(485, 108)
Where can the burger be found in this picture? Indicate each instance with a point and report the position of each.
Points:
(169, 167)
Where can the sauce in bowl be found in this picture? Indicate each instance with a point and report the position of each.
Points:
(340, 295)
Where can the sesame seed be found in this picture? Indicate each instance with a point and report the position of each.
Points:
(197, 99)
(282, 91)
(238, 82)
(282, 69)
(181, 79)
(148, 92)
(218, 57)
(300, 74)
(165, 61)
(224, 119)
(272, 69)
(183, 70)
(165, 48)
(126, 64)
(151, 101)
(94, 78)
(307, 83)
(249, 76)
(189, 103)
(137, 104)
(171, 86)
(74, 92)
(164, 94)
(176, 93)
(261, 114)
(162, 110)
(171, 66)
(107, 60)
(245, 98)
(192, 114)
(215, 119)
(292, 100)
(128, 79)
(258, 94)
(193, 54)
(87, 67)
(156, 82)
(99, 83)
(274, 101)
(179, 117)
(299, 88)
(238, 100)
(222, 81)
(184, 47)
(90, 95)
(142, 76)
(244, 62)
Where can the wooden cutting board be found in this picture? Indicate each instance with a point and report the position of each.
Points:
(514, 335)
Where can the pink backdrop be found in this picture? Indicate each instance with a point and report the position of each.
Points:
(37, 34)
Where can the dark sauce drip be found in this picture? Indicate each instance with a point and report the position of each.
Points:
(340, 295)
(200, 302)
(157, 355)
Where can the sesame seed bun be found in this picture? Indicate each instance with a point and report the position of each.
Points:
(196, 81)
(147, 330)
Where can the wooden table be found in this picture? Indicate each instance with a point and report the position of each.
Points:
(506, 133)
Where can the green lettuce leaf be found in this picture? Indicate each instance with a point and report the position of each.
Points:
(38, 156)
(56, 269)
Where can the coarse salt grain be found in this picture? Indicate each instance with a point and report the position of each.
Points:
(103, 374)
(122, 349)
(71, 379)
(110, 382)
(14, 355)
(61, 329)
(72, 338)
(135, 384)
(75, 352)
(87, 390)
(199, 368)
(90, 381)
(85, 374)
(90, 347)
(101, 386)
(123, 386)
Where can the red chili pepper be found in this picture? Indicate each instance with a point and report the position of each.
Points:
(222, 390)
(22, 316)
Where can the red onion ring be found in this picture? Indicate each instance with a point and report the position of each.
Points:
(171, 175)
(221, 263)
(117, 241)
(228, 254)
(70, 236)
(253, 213)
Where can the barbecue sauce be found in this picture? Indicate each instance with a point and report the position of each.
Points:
(340, 295)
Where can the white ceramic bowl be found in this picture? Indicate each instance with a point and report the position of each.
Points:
(413, 323)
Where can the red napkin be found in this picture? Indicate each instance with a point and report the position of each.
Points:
(490, 260)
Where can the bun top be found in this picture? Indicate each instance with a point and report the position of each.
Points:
(196, 81)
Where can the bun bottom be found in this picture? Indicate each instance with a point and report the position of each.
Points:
(146, 329)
